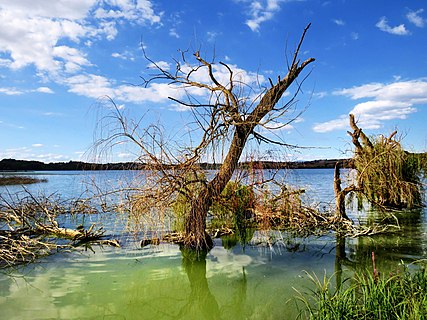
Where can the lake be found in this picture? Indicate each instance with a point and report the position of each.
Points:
(255, 281)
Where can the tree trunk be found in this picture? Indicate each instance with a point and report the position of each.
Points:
(195, 224)
(339, 195)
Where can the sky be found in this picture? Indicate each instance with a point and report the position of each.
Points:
(59, 60)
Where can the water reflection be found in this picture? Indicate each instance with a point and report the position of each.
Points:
(201, 302)
(240, 279)
(406, 245)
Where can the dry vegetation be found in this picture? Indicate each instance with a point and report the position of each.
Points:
(18, 180)
(387, 175)
(29, 228)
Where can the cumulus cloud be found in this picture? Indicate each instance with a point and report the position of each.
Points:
(44, 90)
(261, 12)
(95, 86)
(415, 18)
(140, 11)
(399, 30)
(384, 102)
(35, 37)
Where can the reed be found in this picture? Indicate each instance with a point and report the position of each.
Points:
(369, 295)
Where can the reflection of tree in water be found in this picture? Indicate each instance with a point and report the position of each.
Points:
(202, 304)
(390, 248)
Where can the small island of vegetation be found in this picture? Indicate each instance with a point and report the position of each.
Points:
(18, 180)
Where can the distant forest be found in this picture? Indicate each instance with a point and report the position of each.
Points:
(25, 165)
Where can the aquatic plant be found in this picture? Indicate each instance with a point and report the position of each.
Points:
(368, 295)
(235, 203)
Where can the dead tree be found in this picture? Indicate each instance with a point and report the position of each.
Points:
(226, 121)
(387, 175)
(340, 194)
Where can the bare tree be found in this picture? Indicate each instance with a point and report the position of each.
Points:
(233, 113)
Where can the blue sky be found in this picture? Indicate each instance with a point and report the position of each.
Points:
(59, 58)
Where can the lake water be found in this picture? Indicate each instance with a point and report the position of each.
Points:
(159, 282)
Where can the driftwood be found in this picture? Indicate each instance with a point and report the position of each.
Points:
(29, 230)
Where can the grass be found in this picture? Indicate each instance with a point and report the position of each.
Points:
(369, 295)
(18, 180)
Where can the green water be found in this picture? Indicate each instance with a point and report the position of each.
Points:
(159, 282)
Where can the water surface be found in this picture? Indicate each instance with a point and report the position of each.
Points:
(159, 282)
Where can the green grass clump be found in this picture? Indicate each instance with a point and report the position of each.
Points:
(369, 296)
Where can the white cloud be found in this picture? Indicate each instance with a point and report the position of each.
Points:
(415, 18)
(383, 25)
(73, 59)
(32, 153)
(212, 35)
(11, 91)
(92, 86)
(261, 12)
(140, 11)
(44, 90)
(354, 35)
(337, 124)
(159, 64)
(173, 33)
(339, 22)
(95, 86)
(15, 91)
(62, 9)
(125, 55)
(384, 102)
(32, 31)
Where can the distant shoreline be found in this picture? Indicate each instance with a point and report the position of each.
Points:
(13, 165)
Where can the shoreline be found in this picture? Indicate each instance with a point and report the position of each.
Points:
(13, 165)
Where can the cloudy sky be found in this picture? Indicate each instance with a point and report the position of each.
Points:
(58, 59)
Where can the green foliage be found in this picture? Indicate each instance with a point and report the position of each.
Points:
(229, 210)
(182, 204)
(388, 175)
(369, 296)
(233, 205)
